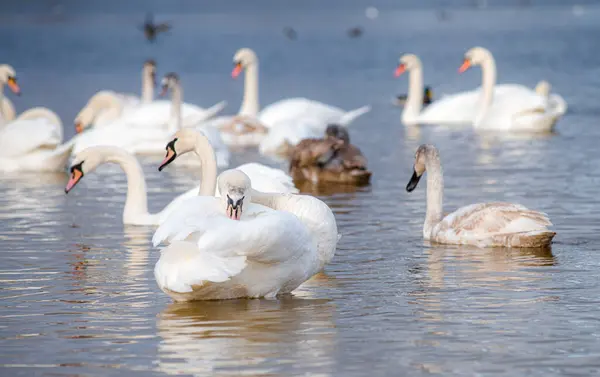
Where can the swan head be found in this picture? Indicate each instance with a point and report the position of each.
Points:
(85, 118)
(183, 141)
(234, 186)
(104, 100)
(424, 153)
(337, 132)
(242, 59)
(89, 159)
(406, 63)
(475, 56)
(169, 82)
(8, 76)
(86, 161)
(149, 70)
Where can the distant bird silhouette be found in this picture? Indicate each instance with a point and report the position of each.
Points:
(355, 32)
(442, 15)
(290, 33)
(151, 30)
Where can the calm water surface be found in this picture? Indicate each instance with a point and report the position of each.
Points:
(78, 296)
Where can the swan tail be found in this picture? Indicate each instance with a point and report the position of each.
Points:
(533, 239)
(351, 115)
(559, 104)
(183, 266)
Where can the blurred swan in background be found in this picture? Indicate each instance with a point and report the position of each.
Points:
(152, 140)
(511, 107)
(251, 126)
(107, 107)
(33, 142)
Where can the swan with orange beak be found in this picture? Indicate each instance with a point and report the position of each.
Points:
(8, 76)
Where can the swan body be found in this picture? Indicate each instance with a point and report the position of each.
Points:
(275, 244)
(136, 204)
(510, 107)
(483, 224)
(32, 142)
(152, 139)
(251, 125)
(263, 253)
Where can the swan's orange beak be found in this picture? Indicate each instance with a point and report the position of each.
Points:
(236, 70)
(76, 175)
(78, 127)
(12, 84)
(400, 70)
(465, 65)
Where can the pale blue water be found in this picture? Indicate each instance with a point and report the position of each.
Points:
(77, 290)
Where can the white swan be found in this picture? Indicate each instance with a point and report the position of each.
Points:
(232, 248)
(136, 204)
(459, 108)
(107, 107)
(8, 77)
(264, 178)
(152, 140)
(483, 224)
(188, 270)
(32, 142)
(250, 126)
(510, 107)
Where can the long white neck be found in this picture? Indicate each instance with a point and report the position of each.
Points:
(250, 105)
(176, 100)
(488, 82)
(414, 102)
(435, 195)
(147, 86)
(208, 174)
(7, 110)
(136, 203)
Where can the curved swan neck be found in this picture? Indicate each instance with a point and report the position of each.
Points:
(488, 82)
(250, 103)
(414, 102)
(136, 202)
(147, 86)
(435, 194)
(7, 111)
(176, 101)
(208, 174)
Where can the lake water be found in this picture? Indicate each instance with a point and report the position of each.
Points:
(78, 296)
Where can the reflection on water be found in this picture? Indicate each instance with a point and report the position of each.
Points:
(77, 287)
(219, 338)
